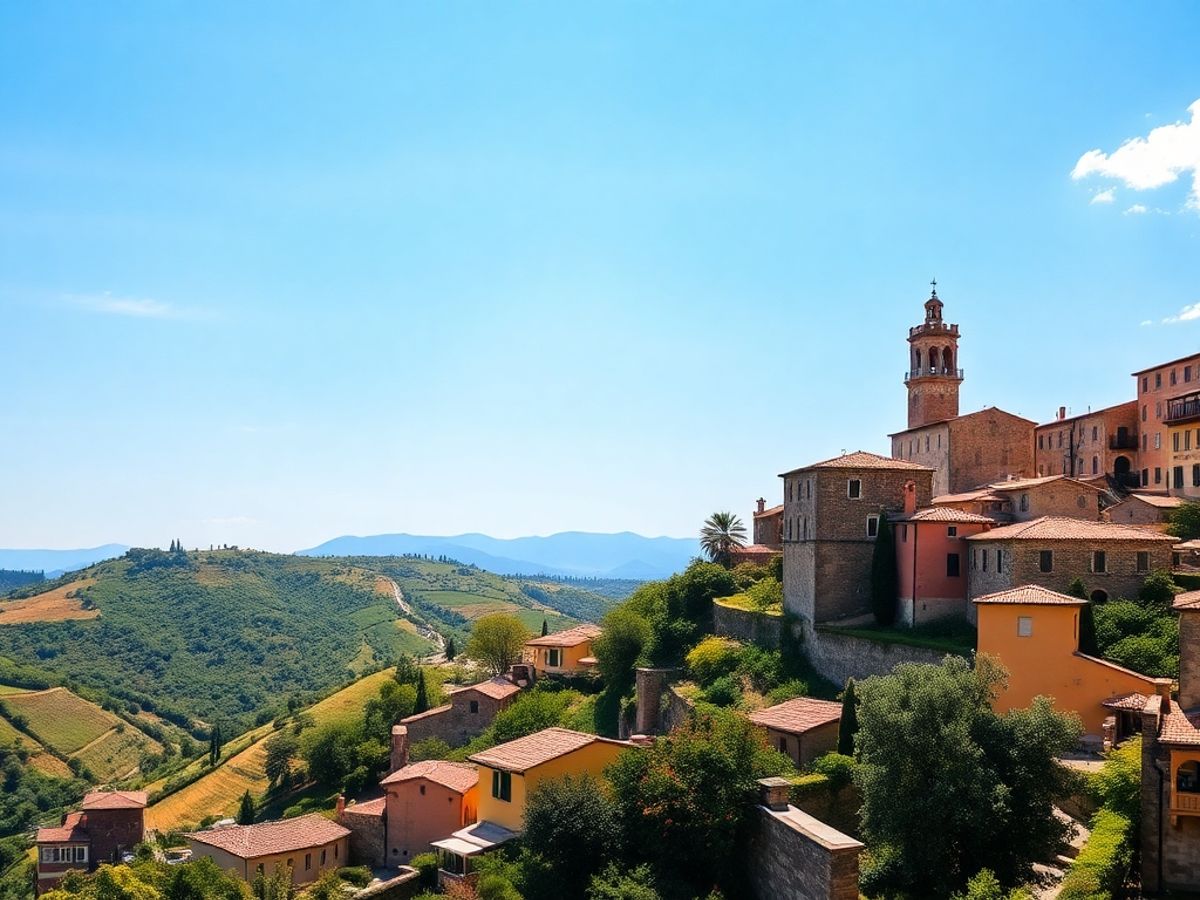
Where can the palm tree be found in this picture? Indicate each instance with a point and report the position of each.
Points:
(723, 532)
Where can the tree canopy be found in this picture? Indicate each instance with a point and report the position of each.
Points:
(721, 534)
(496, 642)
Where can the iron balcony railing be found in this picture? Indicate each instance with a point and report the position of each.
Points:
(1183, 408)
(927, 371)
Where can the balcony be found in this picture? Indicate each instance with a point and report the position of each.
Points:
(1185, 803)
(1123, 442)
(938, 328)
(1183, 409)
(932, 372)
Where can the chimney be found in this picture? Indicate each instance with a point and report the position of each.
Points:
(773, 793)
(341, 805)
(399, 747)
(910, 497)
(762, 505)
(1062, 413)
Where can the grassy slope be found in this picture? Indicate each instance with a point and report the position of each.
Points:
(218, 792)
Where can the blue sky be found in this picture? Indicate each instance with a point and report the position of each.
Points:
(273, 273)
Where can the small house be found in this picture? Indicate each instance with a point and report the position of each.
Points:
(308, 845)
(567, 652)
(803, 728)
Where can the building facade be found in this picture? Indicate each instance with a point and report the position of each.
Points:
(1183, 442)
(803, 728)
(308, 846)
(931, 563)
(106, 825)
(768, 525)
(470, 710)
(567, 652)
(1157, 386)
(933, 376)
(1100, 443)
(831, 515)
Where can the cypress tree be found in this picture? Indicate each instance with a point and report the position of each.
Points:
(545, 628)
(214, 745)
(848, 727)
(883, 575)
(451, 650)
(245, 814)
(1087, 631)
(422, 704)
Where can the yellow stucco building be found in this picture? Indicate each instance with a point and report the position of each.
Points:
(1034, 633)
(566, 652)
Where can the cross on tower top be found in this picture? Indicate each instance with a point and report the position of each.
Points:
(934, 284)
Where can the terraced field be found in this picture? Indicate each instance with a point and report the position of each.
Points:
(61, 720)
(218, 792)
(59, 605)
(116, 754)
(6, 689)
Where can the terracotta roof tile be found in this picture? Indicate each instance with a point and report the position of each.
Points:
(1031, 594)
(773, 511)
(428, 714)
(861, 459)
(70, 830)
(1133, 702)
(755, 550)
(969, 415)
(114, 800)
(264, 838)
(1158, 500)
(535, 749)
(1188, 600)
(457, 776)
(798, 716)
(1179, 727)
(497, 688)
(1061, 528)
(947, 514)
(1022, 484)
(571, 637)
(372, 808)
(966, 497)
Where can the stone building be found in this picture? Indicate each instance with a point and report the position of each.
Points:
(768, 525)
(966, 451)
(1157, 386)
(1100, 443)
(470, 710)
(803, 728)
(567, 652)
(1023, 499)
(308, 845)
(1112, 560)
(1147, 510)
(1170, 795)
(107, 824)
(831, 514)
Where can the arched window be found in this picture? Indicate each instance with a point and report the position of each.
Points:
(1187, 777)
(948, 361)
(917, 360)
(1095, 465)
(1099, 596)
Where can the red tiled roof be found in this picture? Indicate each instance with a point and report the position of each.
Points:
(457, 776)
(966, 497)
(773, 511)
(1031, 594)
(755, 550)
(1165, 364)
(1179, 727)
(428, 714)
(535, 749)
(969, 415)
(497, 688)
(1022, 484)
(571, 637)
(70, 830)
(368, 808)
(798, 716)
(1090, 413)
(1061, 528)
(1159, 501)
(1188, 600)
(265, 838)
(946, 514)
(861, 459)
(1133, 702)
(115, 800)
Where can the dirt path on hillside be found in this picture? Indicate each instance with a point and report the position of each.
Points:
(423, 629)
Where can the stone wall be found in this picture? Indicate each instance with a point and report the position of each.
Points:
(988, 446)
(454, 723)
(838, 657)
(367, 830)
(929, 446)
(747, 625)
(403, 886)
(795, 855)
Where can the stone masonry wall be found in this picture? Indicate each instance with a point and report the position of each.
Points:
(987, 447)
(929, 446)
(747, 625)
(796, 856)
(366, 837)
(455, 724)
(838, 657)
(1189, 659)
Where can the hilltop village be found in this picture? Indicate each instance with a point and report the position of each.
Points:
(762, 724)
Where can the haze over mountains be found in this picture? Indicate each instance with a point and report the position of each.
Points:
(569, 553)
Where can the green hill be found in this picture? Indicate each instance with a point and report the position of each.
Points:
(233, 636)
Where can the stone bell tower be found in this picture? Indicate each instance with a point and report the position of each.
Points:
(933, 375)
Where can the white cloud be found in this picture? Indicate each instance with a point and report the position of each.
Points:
(1105, 196)
(133, 307)
(1188, 314)
(1136, 210)
(1146, 322)
(1159, 158)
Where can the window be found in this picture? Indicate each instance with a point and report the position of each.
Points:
(1173, 378)
(307, 861)
(291, 863)
(1157, 475)
(421, 788)
(1060, 439)
(1187, 373)
(1177, 476)
(554, 657)
(952, 565)
(1175, 441)
(1040, 447)
(1143, 561)
(783, 745)
(999, 558)
(984, 560)
(1095, 433)
(1157, 380)
(1095, 465)
(1099, 561)
(1024, 626)
(81, 854)
(789, 529)
(808, 488)
(474, 706)
(1045, 560)
(322, 856)
(1024, 503)
(872, 526)
(854, 488)
(926, 443)
(1196, 475)
(1145, 384)
(789, 492)
(335, 851)
(1145, 477)
(951, 531)
(502, 785)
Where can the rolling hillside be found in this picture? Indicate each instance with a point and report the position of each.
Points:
(231, 636)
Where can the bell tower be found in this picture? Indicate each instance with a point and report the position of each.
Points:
(933, 375)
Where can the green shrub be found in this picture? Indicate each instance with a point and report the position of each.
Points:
(766, 594)
(712, 658)
(762, 668)
(427, 865)
(790, 689)
(1158, 589)
(1118, 784)
(359, 876)
(838, 769)
(723, 691)
(430, 748)
(1102, 864)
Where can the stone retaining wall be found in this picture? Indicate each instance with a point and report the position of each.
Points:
(747, 625)
(795, 855)
(838, 657)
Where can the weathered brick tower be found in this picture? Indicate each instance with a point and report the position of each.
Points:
(932, 377)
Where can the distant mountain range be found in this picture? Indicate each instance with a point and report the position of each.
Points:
(56, 562)
(569, 553)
